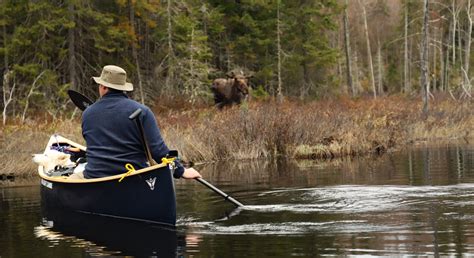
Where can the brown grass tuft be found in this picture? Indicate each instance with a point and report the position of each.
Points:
(323, 129)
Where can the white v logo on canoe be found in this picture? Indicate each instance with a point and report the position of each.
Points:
(151, 183)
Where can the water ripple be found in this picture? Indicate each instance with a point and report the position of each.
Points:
(362, 199)
(287, 228)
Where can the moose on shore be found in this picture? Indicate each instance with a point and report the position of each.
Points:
(232, 90)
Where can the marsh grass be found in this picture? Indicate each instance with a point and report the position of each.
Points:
(315, 130)
(324, 129)
(19, 142)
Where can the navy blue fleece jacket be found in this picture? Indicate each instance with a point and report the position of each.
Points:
(113, 140)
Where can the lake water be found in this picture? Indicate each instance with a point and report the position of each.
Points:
(416, 202)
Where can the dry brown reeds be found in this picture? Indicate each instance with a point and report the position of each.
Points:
(322, 129)
(319, 129)
(19, 142)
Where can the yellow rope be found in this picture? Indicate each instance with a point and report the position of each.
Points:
(167, 160)
(131, 169)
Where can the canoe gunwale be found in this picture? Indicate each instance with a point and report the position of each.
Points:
(63, 179)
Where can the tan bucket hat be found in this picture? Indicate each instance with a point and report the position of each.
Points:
(114, 77)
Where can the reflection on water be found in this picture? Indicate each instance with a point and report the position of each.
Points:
(106, 236)
(418, 202)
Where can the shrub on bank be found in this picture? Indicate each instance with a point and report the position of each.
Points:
(323, 129)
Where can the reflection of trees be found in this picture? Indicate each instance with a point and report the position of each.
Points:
(416, 166)
(441, 165)
(312, 245)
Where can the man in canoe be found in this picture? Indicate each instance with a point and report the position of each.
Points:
(113, 140)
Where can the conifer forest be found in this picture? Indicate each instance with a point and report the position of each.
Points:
(297, 49)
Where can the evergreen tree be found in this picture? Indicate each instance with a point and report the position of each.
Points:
(310, 56)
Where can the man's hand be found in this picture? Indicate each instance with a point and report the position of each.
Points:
(74, 149)
(191, 173)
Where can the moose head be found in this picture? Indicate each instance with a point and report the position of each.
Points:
(232, 90)
(240, 82)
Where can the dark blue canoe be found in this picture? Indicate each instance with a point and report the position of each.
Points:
(145, 195)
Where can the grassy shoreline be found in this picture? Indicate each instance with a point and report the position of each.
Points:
(323, 129)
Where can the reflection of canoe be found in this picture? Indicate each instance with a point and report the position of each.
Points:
(107, 236)
(145, 195)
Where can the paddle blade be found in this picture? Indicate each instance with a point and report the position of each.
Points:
(81, 101)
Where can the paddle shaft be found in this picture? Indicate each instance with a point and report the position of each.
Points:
(221, 193)
(136, 116)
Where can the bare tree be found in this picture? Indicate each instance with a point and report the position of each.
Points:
(379, 68)
(442, 64)
(170, 74)
(342, 86)
(460, 39)
(452, 30)
(189, 87)
(406, 80)
(30, 92)
(134, 43)
(196, 69)
(6, 90)
(72, 47)
(454, 14)
(424, 77)
(357, 85)
(347, 44)
(467, 53)
(446, 67)
(279, 86)
(434, 59)
(7, 93)
(466, 85)
(369, 51)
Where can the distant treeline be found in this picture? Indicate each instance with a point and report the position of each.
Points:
(300, 48)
